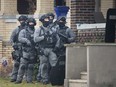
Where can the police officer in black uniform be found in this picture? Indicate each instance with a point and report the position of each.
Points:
(29, 53)
(47, 40)
(17, 53)
(67, 36)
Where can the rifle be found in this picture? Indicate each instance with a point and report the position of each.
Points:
(60, 34)
(53, 24)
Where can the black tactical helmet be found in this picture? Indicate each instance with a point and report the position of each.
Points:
(62, 19)
(43, 17)
(22, 18)
(31, 20)
(51, 14)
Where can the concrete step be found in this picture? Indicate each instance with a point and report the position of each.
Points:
(77, 83)
(84, 75)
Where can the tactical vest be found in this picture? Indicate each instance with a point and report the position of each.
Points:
(29, 36)
(49, 41)
(64, 32)
(15, 39)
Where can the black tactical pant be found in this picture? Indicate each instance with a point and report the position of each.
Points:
(49, 57)
(16, 64)
(27, 66)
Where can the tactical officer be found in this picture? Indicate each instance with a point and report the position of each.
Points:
(53, 25)
(46, 39)
(65, 33)
(29, 53)
(57, 73)
(17, 53)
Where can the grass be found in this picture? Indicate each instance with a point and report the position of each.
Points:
(4, 82)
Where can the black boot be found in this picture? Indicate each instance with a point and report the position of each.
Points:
(12, 80)
(18, 82)
(45, 83)
(29, 82)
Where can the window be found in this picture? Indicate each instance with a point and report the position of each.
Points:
(26, 6)
(59, 3)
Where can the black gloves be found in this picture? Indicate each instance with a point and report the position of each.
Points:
(28, 43)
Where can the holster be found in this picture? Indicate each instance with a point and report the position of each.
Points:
(15, 56)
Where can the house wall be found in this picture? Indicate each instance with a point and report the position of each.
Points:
(105, 5)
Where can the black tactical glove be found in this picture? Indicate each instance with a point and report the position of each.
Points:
(28, 43)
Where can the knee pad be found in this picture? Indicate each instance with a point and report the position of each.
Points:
(31, 67)
(16, 65)
(23, 67)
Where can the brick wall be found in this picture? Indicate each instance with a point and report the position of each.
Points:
(44, 6)
(6, 51)
(2, 28)
(6, 27)
(9, 7)
(82, 12)
(1, 49)
(7, 24)
(5, 54)
(0, 5)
